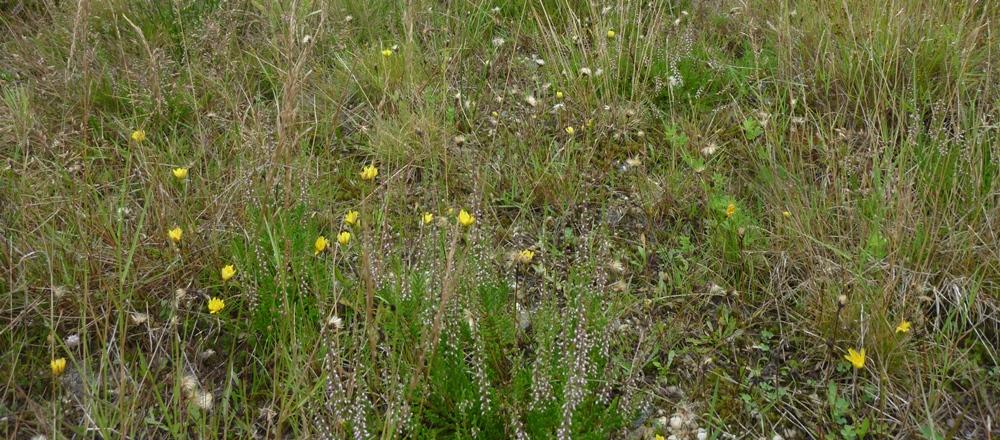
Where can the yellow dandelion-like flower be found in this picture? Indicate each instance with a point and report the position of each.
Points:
(387, 53)
(559, 95)
(369, 172)
(465, 219)
(611, 33)
(344, 238)
(525, 256)
(856, 358)
(58, 365)
(215, 305)
(787, 214)
(570, 130)
(139, 135)
(228, 272)
(659, 437)
(321, 244)
(351, 217)
(180, 173)
(730, 209)
(427, 218)
(903, 327)
(175, 234)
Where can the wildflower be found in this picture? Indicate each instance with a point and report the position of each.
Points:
(856, 358)
(427, 218)
(215, 305)
(660, 437)
(351, 217)
(175, 234)
(787, 214)
(611, 33)
(180, 173)
(58, 365)
(559, 95)
(320, 244)
(344, 238)
(369, 172)
(525, 256)
(730, 209)
(139, 135)
(228, 272)
(903, 327)
(387, 53)
(570, 130)
(465, 219)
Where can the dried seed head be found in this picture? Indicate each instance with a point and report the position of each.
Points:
(204, 400)
(189, 384)
(335, 322)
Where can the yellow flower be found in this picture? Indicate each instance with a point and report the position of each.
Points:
(369, 172)
(903, 327)
(559, 95)
(427, 218)
(351, 217)
(228, 272)
(787, 214)
(175, 234)
(215, 305)
(525, 256)
(180, 173)
(387, 52)
(730, 209)
(58, 366)
(570, 130)
(659, 437)
(856, 358)
(344, 238)
(139, 135)
(465, 219)
(320, 244)
(611, 33)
